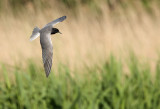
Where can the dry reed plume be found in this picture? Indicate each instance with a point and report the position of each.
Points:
(86, 39)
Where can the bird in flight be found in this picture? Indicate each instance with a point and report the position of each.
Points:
(46, 43)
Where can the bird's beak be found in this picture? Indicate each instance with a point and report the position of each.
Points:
(60, 33)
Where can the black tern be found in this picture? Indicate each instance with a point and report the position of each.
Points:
(46, 43)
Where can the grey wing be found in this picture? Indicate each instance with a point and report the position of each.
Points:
(47, 52)
(54, 22)
(47, 55)
(35, 33)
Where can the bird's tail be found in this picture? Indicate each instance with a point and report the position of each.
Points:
(35, 33)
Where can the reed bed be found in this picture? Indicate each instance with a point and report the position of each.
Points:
(84, 73)
(100, 87)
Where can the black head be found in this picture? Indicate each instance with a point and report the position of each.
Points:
(55, 30)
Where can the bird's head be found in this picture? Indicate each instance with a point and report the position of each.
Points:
(55, 30)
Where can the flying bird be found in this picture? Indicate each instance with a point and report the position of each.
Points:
(46, 43)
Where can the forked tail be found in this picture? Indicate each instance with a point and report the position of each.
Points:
(35, 33)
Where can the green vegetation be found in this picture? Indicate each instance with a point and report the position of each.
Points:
(101, 87)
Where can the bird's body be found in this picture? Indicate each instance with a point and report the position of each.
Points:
(47, 48)
(46, 43)
(45, 37)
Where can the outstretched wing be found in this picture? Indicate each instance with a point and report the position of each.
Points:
(47, 55)
(54, 22)
(47, 52)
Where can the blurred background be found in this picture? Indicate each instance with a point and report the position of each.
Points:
(93, 30)
(97, 35)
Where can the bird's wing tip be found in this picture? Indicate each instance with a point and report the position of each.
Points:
(64, 17)
(47, 74)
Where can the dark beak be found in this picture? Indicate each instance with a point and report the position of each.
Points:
(60, 33)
